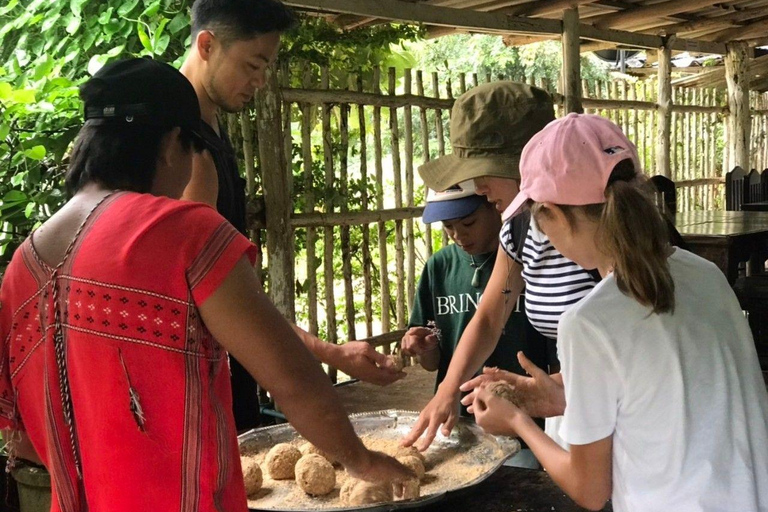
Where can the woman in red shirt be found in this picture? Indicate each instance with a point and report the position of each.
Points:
(118, 314)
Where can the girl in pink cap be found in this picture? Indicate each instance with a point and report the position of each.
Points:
(666, 408)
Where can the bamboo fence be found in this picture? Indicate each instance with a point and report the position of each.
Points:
(352, 150)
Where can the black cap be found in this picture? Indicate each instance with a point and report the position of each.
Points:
(142, 91)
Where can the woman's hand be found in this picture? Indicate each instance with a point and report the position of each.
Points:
(442, 410)
(378, 467)
(494, 414)
(542, 395)
(417, 341)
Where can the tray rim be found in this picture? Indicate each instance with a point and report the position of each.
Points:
(396, 505)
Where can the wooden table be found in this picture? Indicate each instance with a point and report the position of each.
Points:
(761, 206)
(509, 489)
(725, 238)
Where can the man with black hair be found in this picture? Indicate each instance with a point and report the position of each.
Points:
(233, 44)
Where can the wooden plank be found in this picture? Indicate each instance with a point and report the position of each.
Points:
(409, 231)
(318, 97)
(633, 15)
(350, 311)
(757, 28)
(367, 260)
(664, 112)
(328, 245)
(571, 61)
(737, 76)
(543, 7)
(491, 22)
(425, 149)
(307, 116)
(277, 197)
(394, 128)
(383, 261)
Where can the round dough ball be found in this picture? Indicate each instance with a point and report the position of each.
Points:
(414, 464)
(411, 489)
(505, 390)
(398, 363)
(281, 460)
(253, 479)
(315, 475)
(360, 492)
(406, 451)
(306, 448)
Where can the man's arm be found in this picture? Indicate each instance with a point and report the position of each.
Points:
(357, 359)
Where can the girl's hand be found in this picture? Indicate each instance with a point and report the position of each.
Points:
(542, 395)
(494, 414)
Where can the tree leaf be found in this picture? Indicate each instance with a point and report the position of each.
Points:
(18, 178)
(5, 90)
(179, 22)
(35, 153)
(24, 96)
(14, 196)
(76, 6)
(29, 210)
(143, 37)
(152, 10)
(126, 7)
(74, 24)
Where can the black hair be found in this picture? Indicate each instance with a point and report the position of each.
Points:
(117, 156)
(236, 20)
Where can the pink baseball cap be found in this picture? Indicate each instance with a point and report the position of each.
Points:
(570, 160)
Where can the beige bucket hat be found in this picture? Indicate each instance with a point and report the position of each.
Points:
(490, 125)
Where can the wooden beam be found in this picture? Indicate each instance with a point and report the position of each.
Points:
(634, 15)
(737, 77)
(571, 61)
(755, 29)
(544, 7)
(319, 96)
(277, 179)
(442, 16)
(318, 219)
(490, 22)
(664, 123)
(724, 21)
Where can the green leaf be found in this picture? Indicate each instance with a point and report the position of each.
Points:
(96, 62)
(126, 7)
(159, 31)
(143, 37)
(152, 10)
(5, 90)
(162, 44)
(50, 23)
(29, 210)
(24, 96)
(35, 153)
(9, 7)
(74, 24)
(14, 196)
(18, 178)
(4, 131)
(179, 22)
(105, 16)
(76, 6)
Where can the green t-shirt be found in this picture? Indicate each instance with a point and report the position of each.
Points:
(446, 296)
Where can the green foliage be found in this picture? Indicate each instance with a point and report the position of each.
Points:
(488, 55)
(47, 49)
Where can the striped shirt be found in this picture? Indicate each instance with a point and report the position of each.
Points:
(553, 283)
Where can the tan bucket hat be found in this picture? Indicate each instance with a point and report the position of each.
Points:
(490, 125)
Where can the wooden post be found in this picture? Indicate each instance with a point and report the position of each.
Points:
(277, 197)
(383, 261)
(367, 260)
(409, 227)
(328, 232)
(737, 77)
(664, 124)
(571, 61)
(425, 149)
(307, 112)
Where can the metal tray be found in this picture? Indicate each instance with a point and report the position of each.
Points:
(480, 452)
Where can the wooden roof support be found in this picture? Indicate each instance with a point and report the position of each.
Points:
(664, 121)
(641, 14)
(571, 61)
(490, 22)
(543, 7)
(739, 121)
(758, 28)
(724, 21)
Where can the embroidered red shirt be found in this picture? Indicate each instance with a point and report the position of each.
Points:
(129, 297)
